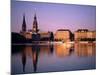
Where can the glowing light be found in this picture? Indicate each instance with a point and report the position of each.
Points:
(67, 45)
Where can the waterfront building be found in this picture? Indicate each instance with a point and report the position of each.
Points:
(47, 36)
(34, 33)
(84, 35)
(28, 35)
(63, 35)
(91, 34)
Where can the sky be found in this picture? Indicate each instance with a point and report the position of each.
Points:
(52, 16)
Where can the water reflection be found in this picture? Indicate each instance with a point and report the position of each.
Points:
(53, 52)
(46, 49)
(51, 48)
(85, 49)
(63, 50)
(35, 54)
(23, 59)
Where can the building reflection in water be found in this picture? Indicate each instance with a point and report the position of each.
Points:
(31, 51)
(35, 54)
(23, 59)
(46, 49)
(63, 50)
(51, 49)
(85, 49)
(27, 51)
(34, 51)
(60, 50)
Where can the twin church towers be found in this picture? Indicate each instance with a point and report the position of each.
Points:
(34, 33)
(35, 25)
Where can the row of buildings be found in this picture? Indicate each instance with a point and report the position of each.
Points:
(79, 35)
(85, 34)
(61, 34)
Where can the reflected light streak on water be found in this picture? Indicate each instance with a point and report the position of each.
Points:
(50, 57)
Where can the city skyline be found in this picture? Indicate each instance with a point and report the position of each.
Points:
(52, 16)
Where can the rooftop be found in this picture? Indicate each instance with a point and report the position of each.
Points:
(80, 30)
(63, 30)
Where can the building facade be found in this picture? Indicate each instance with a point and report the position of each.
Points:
(62, 35)
(84, 34)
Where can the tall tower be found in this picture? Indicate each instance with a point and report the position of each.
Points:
(35, 24)
(24, 24)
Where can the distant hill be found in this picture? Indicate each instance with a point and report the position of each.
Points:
(17, 38)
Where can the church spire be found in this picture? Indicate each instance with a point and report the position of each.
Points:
(24, 24)
(35, 24)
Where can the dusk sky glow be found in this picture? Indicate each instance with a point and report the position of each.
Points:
(52, 16)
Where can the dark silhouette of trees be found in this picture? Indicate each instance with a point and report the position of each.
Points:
(51, 36)
(17, 38)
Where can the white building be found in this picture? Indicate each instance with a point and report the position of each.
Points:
(62, 34)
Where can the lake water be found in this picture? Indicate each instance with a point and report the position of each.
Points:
(52, 57)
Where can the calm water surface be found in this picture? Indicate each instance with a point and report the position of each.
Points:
(52, 57)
